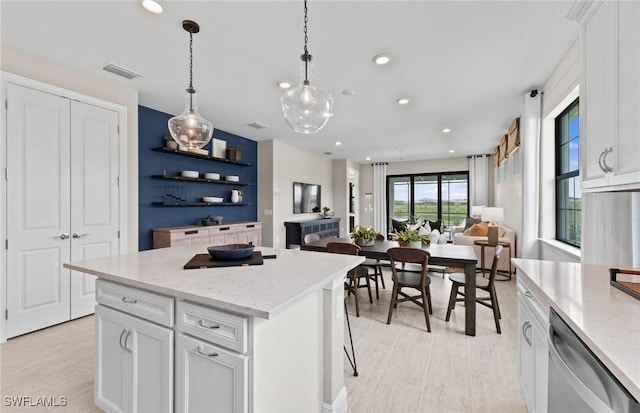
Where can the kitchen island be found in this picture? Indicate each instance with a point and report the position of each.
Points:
(604, 318)
(252, 338)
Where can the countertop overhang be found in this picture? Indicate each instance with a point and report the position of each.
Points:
(606, 319)
(258, 290)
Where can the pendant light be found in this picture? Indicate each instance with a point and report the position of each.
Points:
(306, 108)
(189, 129)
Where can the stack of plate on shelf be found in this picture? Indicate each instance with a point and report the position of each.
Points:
(211, 175)
(212, 199)
(190, 174)
(232, 178)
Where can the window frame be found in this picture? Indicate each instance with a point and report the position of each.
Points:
(412, 177)
(560, 176)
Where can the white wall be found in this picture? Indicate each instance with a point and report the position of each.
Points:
(30, 66)
(401, 168)
(287, 164)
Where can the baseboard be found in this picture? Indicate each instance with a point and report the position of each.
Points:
(339, 405)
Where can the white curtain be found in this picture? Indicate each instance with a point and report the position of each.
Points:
(479, 180)
(530, 148)
(380, 197)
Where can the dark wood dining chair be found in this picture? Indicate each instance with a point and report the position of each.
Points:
(376, 265)
(352, 284)
(410, 279)
(482, 283)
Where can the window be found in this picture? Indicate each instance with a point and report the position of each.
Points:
(429, 196)
(568, 186)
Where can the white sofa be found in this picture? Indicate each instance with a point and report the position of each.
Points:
(505, 234)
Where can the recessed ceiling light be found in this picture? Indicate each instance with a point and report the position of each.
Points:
(402, 101)
(446, 130)
(284, 85)
(382, 59)
(398, 147)
(338, 143)
(152, 6)
(368, 158)
(451, 151)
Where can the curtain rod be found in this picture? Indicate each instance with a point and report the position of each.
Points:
(380, 163)
(475, 156)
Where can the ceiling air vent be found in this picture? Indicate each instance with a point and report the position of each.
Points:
(120, 71)
(258, 125)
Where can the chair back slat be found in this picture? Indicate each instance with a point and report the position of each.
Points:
(494, 264)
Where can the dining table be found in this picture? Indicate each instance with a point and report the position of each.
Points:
(458, 256)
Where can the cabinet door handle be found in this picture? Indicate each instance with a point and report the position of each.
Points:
(225, 228)
(607, 151)
(251, 226)
(600, 162)
(203, 325)
(200, 351)
(525, 326)
(123, 339)
(129, 300)
(76, 235)
(191, 232)
(528, 294)
(64, 235)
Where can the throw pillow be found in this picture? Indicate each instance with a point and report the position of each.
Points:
(469, 222)
(424, 231)
(436, 224)
(479, 230)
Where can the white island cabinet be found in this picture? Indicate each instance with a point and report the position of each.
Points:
(242, 339)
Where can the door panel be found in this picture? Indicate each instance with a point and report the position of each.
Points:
(38, 209)
(94, 195)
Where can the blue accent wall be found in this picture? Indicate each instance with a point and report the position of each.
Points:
(152, 126)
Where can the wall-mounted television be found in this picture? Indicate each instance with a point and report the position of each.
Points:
(306, 198)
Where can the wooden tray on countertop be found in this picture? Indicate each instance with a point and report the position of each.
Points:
(205, 261)
(630, 287)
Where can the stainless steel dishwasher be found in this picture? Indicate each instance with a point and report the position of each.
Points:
(578, 381)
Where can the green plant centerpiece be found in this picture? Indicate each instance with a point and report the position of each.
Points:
(364, 236)
(410, 237)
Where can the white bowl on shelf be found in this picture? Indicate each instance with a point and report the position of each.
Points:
(232, 178)
(212, 199)
(190, 174)
(213, 176)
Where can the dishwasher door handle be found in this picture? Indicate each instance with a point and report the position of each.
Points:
(582, 389)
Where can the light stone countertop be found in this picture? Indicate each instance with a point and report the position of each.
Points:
(256, 290)
(605, 318)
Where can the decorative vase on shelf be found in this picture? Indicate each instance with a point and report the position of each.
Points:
(235, 196)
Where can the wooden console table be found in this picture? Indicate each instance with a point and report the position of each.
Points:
(324, 227)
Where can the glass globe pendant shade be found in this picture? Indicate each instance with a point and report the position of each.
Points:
(307, 108)
(189, 129)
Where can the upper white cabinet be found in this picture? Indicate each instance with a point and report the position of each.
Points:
(610, 94)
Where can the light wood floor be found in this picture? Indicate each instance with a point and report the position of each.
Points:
(402, 367)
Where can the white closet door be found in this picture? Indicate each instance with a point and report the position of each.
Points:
(94, 195)
(37, 209)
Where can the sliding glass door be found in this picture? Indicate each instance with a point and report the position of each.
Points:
(429, 196)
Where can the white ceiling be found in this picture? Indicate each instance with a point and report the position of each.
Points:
(464, 65)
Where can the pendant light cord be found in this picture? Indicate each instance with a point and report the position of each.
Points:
(306, 57)
(191, 63)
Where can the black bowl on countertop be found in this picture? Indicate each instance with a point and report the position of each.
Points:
(230, 251)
